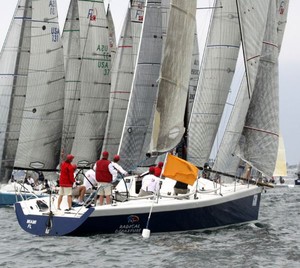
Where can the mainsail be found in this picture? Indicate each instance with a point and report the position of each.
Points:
(217, 70)
(122, 75)
(42, 118)
(14, 61)
(143, 94)
(95, 81)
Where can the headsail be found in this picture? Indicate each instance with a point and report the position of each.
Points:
(225, 161)
(122, 75)
(168, 127)
(137, 127)
(73, 66)
(217, 70)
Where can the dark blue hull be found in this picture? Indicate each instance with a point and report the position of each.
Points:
(169, 217)
(224, 214)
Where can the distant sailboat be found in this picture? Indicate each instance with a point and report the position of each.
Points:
(93, 83)
(259, 150)
(122, 75)
(31, 89)
(280, 167)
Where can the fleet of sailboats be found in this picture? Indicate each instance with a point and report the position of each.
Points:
(83, 94)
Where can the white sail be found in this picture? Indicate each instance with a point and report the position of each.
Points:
(280, 167)
(41, 127)
(226, 160)
(174, 76)
(122, 75)
(138, 122)
(14, 61)
(95, 81)
(253, 17)
(217, 70)
(73, 66)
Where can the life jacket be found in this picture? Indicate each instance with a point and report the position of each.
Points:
(102, 171)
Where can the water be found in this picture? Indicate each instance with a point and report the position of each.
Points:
(273, 241)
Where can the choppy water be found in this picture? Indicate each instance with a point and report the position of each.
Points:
(273, 241)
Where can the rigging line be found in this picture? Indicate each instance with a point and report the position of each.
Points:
(243, 50)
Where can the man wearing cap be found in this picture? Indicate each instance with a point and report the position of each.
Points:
(150, 183)
(117, 168)
(104, 175)
(66, 180)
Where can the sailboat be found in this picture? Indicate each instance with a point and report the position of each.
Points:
(31, 90)
(208, 203)
(88, 70)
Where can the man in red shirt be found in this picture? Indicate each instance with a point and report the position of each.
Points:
(66, 180)
(104, 172)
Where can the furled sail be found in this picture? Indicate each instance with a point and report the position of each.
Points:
(95, 81)
(217, 70)
(42, 118)
(14, 61)
(143, 94)
(122, 75)
(168, 127)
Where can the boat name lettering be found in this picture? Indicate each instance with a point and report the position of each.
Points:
(136, 230)
(31, 221)
(129, 226)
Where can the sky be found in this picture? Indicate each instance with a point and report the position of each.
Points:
(289, 64)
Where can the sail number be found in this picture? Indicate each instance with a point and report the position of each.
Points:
(104, 63)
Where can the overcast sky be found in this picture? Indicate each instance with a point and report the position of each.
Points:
(289, 65)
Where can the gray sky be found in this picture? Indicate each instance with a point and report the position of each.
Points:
(289, 65)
